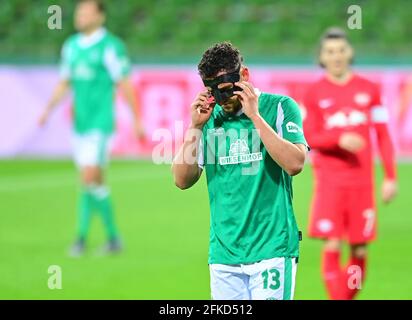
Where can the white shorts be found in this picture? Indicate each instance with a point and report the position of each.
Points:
(91, 149)
(272, 279)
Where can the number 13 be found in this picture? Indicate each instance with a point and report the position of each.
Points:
(271, 279)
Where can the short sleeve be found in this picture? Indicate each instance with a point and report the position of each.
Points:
(116, 60)
(64, 71)
(289, 121)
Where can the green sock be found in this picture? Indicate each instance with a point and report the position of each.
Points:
(104, 205)
(84, 214)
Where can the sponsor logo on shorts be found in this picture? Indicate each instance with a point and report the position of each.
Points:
(325, 225)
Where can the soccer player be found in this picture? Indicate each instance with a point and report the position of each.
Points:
(250, 144)
(342, 110)
(93, 62)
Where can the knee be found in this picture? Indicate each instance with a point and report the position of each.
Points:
(359, 251)
(332, 245)
(91, 176)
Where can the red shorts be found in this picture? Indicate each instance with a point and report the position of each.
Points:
(345, 213)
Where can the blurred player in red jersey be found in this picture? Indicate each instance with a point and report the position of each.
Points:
(342, 111)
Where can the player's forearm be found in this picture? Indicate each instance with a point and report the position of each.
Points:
(386, 151)
(286, 154)
(130, 97)
(317, 137)
(322, 140)
(185, 166)
(59, 92)
(405, 100)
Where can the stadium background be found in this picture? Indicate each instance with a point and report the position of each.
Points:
(166, 230)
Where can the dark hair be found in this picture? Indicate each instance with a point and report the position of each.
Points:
(332, 33)
(221, 56)
(99, 4)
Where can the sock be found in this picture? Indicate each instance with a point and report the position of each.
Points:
(332, 275)
(104, 205)
(84, 214)
(353, 281)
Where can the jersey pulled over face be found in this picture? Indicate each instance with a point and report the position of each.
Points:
(332, 109)
(93, 64)
(252, 217)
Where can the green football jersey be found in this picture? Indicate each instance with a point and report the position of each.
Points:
(93, 64)
(251, 212)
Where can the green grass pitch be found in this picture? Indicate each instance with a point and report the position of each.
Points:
(165, 232)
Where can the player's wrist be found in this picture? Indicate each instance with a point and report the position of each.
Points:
(49, 107)
(198, 126)
(255, 117)
(138, 122)
(47, 111)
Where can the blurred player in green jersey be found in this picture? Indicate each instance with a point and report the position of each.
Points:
(93, 62)
(250, 144)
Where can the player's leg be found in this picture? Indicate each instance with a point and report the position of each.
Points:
(331, 268)
(355, 271)
(93, 177)
(272, 279)
(228, 282)
(101, 192)
(85, 209)
(81, 152)
(327, 223)
(361, 230)
(91, 157)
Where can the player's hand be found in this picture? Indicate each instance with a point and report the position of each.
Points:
(351, 142)
(138, 130)
(202, 108)
(43, 118)
(389, 190)
(248, 98)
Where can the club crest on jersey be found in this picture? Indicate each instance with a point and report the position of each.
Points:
(239, 153)
(94, 56)
(325, 225)
(362, 98)
(83, 72)
(325, 103)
